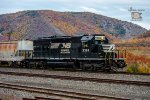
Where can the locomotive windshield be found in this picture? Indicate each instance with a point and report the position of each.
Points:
(100, 39)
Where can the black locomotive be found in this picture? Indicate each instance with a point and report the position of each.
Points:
(87, 52)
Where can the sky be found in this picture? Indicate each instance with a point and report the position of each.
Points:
(118, 9)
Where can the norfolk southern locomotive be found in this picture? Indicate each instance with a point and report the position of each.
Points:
(87, 52)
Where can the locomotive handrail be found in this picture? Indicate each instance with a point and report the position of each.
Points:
(106, 57)
(120, 54)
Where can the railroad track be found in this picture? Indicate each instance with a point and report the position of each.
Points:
(98, 80)
(88, 71)
(58, 93)
(119, 72)
(40, 98)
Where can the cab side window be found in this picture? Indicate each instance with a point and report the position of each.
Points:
(85, 44)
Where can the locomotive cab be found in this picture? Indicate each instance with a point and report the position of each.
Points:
(86, 43)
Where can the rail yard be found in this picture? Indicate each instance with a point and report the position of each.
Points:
(86, 67)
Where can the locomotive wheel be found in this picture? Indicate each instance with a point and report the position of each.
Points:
(21, 64)
(114, 67)
(93, 68)
(16, 64)
(39, 65)
(27, 64)
(44, 65)
(12, 64)
(83, 67)
(106, 69)
(53, 68)
(74, 67)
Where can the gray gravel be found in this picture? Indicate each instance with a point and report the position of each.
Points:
(126, 91)
(9, 94)
(82, 74)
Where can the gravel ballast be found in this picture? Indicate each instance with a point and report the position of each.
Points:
(117, 90)
(142, 78)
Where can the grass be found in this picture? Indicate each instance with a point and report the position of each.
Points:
(133, 68)
(138, 62)
(138, 68)
(137, 59)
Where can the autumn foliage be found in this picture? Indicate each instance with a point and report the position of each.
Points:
(138, 63)
(138, 54)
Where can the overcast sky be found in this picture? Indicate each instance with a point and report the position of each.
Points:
(111, 8)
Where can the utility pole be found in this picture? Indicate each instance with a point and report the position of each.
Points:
(9, 35)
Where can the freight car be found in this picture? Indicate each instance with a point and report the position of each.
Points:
(87, 52)
(15, 52)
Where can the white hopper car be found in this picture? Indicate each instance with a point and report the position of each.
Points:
(15, 51)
